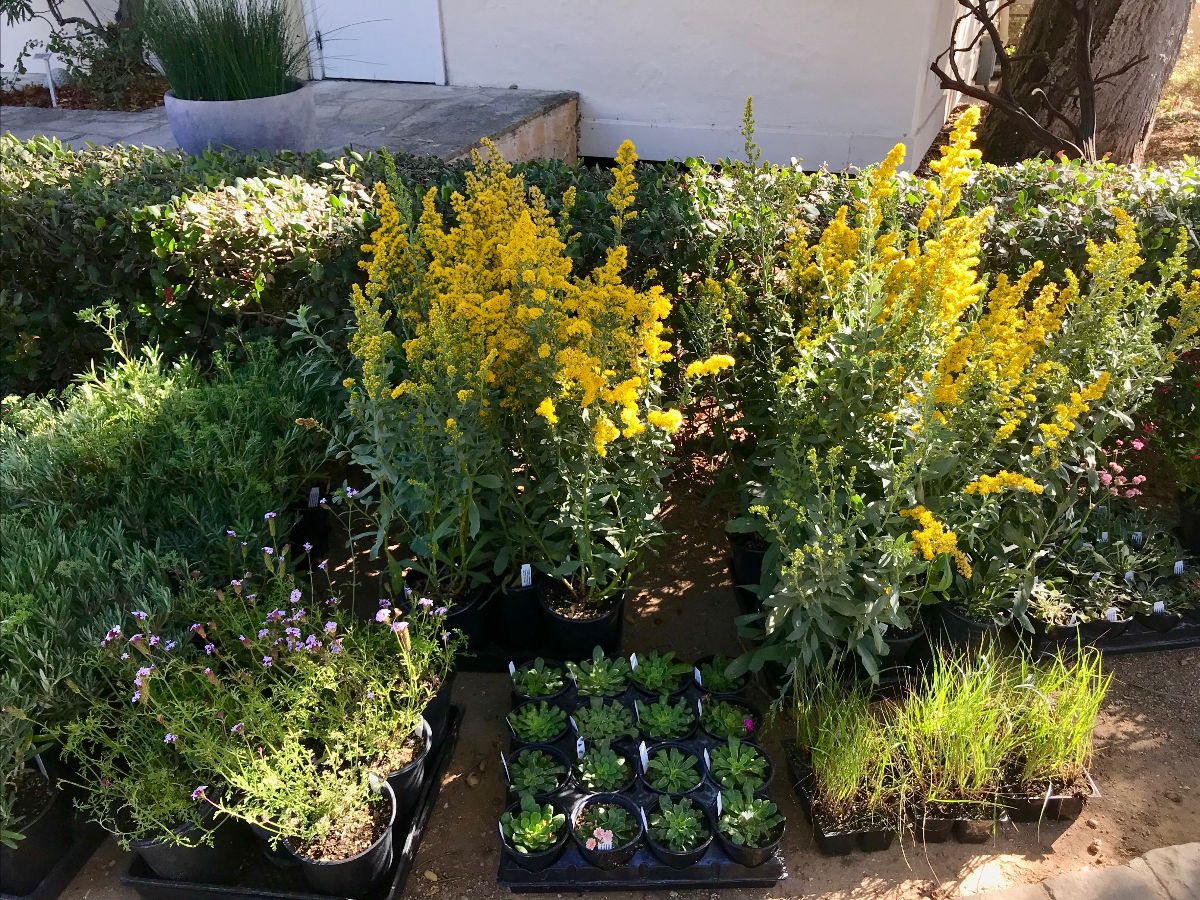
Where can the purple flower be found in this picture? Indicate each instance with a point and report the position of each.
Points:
(198, 793)
(155, 640)
(136, 638)
(137, 695)
(268, 661)
(748, 724)
(269, 516)
(399, 627)
(230, 533)
(209, 648)
(169, 739)
(235, 583)
(322, 564)
(295, 596)
(370, 695)
(440, 611)
(384, 603)
(312, 642)
(445, 637)
(276, 615)
(292, 631)
(299, 615)
(252, 597)
(350, 492)
(332, 601)
(335, 646)
(330, 627)
(238, 728)
(262, 633)
(139, 615)
(425, 602)
(144, 672)
(196, 627)
(382, 616)
(169, 646)
(268, 550)
(307, 546)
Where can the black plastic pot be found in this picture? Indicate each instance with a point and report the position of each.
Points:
(963, 631)
(1049, 807)
(1064, 636)
(1101, 629)
(407, 782)
(674, 693)
(1188, 529)
(750, 856)
(677, 859)
(746, 554)
(516, 615)
(974, 830)
(932, 827)
(682, 748)
(574, 638)
(630, 782)
(900, 641)
(218, 863)
(467, 613)
(1158, 622)
(875, 840)
(357, 875)
(549, 750)
(617, 856)
(437, 713)
(761, 752)
(734, 694)
(47, 838)
(543, 859)
(517, 698)
(277, 853)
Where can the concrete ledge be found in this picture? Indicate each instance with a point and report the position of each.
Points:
(1171, 873)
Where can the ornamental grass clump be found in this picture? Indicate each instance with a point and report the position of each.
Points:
(853, 764)
(923, 434)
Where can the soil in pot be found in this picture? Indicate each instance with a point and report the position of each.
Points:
(404, 761)
(900, 641)
(218, 863)
(356, 855)
(1058, 803)
(572, 626)
(594, 821)
(42, 812)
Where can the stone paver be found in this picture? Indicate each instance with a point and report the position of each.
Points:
(1170, 873)
(363, 115)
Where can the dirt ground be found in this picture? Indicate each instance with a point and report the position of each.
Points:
(1177, 128)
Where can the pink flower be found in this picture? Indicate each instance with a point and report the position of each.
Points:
(1133, 492)
(1139, 479)
(748, 724)
(590, 843)
(1105, 478)
(1117, 467)
(1138, 444)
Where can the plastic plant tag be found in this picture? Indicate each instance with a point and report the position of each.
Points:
(574, 727)
(1159, 607)
(720, 804)
(580, 748)
(1104, 537)
(637, 711)
(700, 707)
(1111, 614)
(696, 672)
(314, 498)
(644, 756)
(512, 668)
(407, 592)
(500, 827)
(1179, 567)
(1136, 537)
(375, 783)
(645, 824)
(1129, 578)
(526, 575)
(37, 758)
(707, 761)
(507, 774)
(633, 660)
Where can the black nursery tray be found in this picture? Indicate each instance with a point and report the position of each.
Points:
(85, 838)
(645, 871)
(260, 879)
(1137, 638)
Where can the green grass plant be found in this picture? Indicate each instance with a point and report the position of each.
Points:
(852, 758)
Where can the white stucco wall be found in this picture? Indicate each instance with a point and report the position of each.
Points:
(14, 37)
(833, 81)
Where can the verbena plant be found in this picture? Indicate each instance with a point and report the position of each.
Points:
(226, 49)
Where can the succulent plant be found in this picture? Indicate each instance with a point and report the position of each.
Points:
(736, 764)
(664, 720)
(748, 820)
(605, 826)
(532, 771)
(672, 771)
(600, 676)
(604, 720)
(678, 824)
(713, 677)
(537, 723)
(659, 673)
(537, 679)
(725, 719)
(603, 769)
(534, 827)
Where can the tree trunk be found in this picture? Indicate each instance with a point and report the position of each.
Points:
(1123, 30)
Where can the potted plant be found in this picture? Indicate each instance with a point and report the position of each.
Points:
(659, 673)
(600, 676)
(723, 719)
(602, 769)
(537, 769)
(739, 764)
(665, 720)
(538, 680)
(604, 721)
(34, 825)
(672, 769)
(712, 677)
(236, 70)
(537, 723)
(749, 828)
(679, 834)
(533, 834)
(607, 829)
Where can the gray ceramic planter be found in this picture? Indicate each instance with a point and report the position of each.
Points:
(283, 122)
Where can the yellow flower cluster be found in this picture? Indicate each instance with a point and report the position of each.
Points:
(1066, 415)
(492, 301)
(1001, 481)
(952, 170)
(933, 540)
(710, 366)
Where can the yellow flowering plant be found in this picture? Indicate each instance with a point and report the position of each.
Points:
(507, 408)
(928, 436)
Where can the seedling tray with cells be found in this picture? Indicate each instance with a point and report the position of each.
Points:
(710, 867)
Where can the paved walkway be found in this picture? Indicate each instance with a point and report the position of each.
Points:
(363, 115)
(1172, 873)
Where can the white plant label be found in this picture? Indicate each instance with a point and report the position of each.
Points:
(1129, 578)
(574, 727)
(696, 672)
(1104, 537)
(580, 748)
(512, 668)
(1159, 607)
(1111, 614)
(500, 826)
(507, 774)
(314, 498)
(720, 804)
(645, 824)
(644, 756)
(633, 660)
(637, 711)
(1179, 567)
(700, 707)
(526, 575)
(1137, 538)
(407, 592)
(707, 761)
(41, 766)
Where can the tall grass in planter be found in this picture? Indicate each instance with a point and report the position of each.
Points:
(226, 49)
